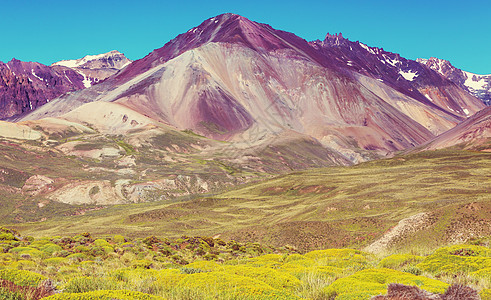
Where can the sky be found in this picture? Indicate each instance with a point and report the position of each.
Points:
(51, 30)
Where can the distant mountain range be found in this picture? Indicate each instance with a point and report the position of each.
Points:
(236, 80)
(25, 86)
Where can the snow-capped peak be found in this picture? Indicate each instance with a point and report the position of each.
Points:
(113, 59)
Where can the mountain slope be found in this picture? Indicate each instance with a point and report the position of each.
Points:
(473, 133)
(477, 85)
(236, 80)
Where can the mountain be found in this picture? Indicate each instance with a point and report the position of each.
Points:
(473, 133)
(405, 76)
(96, 68)
(25, 86)
(477, 85)
(240, 81)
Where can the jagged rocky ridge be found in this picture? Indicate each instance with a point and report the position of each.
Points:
(477, 85)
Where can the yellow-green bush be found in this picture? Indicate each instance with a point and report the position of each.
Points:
(4, 236)
(457, 259)
(214, 285)
(108, 249)
(485, 294)
(104, 295)
(118, 239)
(397, 261)
(268, 260)
(323, 272)
(141, 263)
(168, 278)
(56, 261)
(22, 277)
(41, 242)
(101, 243)
(6, 257)
(50, 248)
(23, 265)
(341, 258)
(296, 257)
(87, 284)
(483, 273)
(78, 257)
(276, 279)
(375, 281)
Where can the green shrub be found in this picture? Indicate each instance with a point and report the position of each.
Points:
(50, 248)
(6, 236)
(274, 278)
(22, 277)
(457, 259)
(396, 261)
(57, 261)
(375, 281)
(485, 294)
(101, 243)
(141, 263)
(341, 258)
(78, 257)
(119, 239)
(214, 285)
(268, 260)
(87, 284)
(104, 295)
(482, 273)
(23, 265)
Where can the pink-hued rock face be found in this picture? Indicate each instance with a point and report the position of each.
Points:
(25, 86)
(237, 80)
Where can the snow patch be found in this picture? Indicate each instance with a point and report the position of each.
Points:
(392, 62)
(478, 84)
(86, 81)
(68, 78)
(35, 75)
(429, 98)
(127, 63)
(466, 111)
(366, 48)
(409, 75)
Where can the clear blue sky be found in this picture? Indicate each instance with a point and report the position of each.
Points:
(51, 30)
